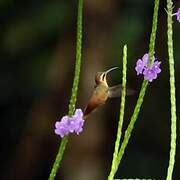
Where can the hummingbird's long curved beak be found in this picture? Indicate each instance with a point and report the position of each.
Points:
(109, 70)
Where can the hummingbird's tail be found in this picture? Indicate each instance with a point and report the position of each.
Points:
(89, 109)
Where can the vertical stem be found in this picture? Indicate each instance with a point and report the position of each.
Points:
(130, 128)
(153, 33)
(132, 121)
(142, 92)
(172, 90)
(78, 58)
(73, 99)
(58, 159)
(121, 117)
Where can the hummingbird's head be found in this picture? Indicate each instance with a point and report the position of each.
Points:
(100, 77)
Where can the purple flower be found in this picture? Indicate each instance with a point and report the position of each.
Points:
(177, 14)
(155, 67)
(70, 124)
(149, 72)
(139, 66)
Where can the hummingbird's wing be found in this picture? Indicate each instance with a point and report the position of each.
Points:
(116, 91)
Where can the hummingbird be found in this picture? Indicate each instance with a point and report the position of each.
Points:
(102, 92)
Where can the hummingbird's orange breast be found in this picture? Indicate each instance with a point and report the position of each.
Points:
(98, 98)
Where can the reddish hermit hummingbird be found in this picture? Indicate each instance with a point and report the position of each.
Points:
(102, 92)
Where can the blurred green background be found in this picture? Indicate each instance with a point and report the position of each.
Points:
(37, 56)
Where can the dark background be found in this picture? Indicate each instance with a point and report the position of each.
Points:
(37, 56)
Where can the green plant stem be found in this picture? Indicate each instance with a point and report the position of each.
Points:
(59, 157)
(172, 90)
(142, 92)
(78, 58)
(153, 33)
(121, 117)
(132, 122)
(129, 128)
(73, 99)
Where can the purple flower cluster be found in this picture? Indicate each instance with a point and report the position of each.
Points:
(150, 73)
(70, 124)
(177, 14)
